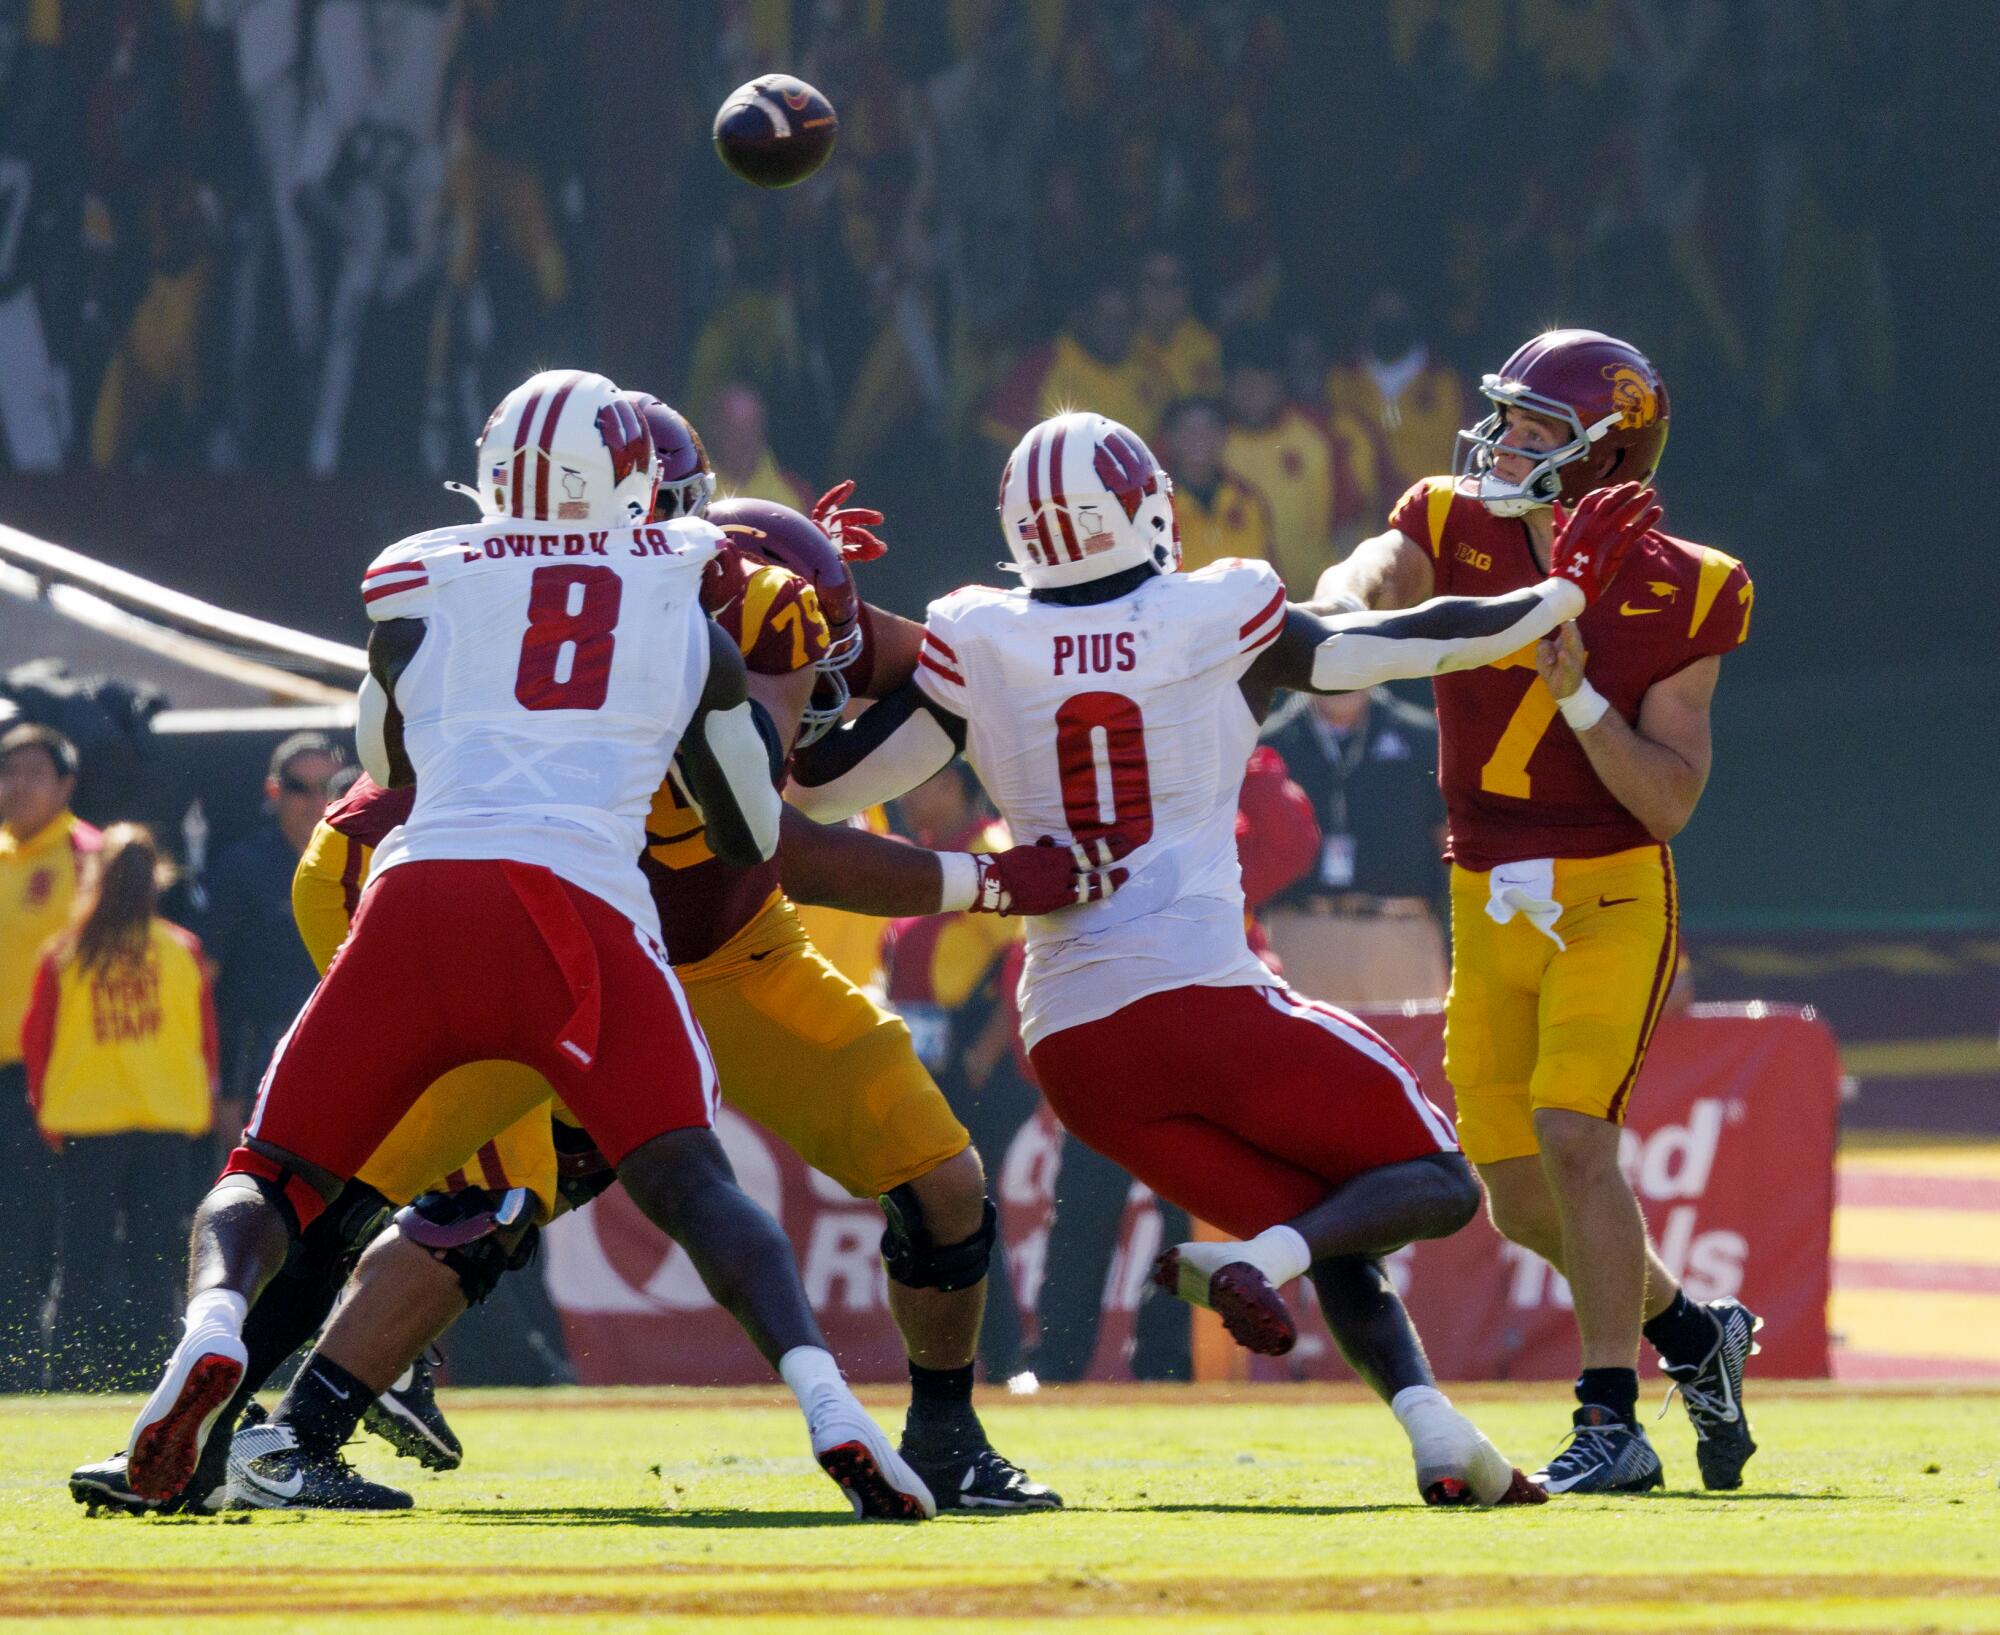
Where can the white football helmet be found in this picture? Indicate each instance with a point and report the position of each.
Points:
(1083, 498)
(567, 446)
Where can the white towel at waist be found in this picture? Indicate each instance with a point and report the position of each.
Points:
(1527, 888)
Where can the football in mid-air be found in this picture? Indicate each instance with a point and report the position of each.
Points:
(775, 131)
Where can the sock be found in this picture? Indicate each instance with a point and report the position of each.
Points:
(217, 1308)
(1414, 1399)
(941, 1397)
(1280, 1254)
(809, 1369)
(1616, 1389)
(1684, 1333)
(324, 1405)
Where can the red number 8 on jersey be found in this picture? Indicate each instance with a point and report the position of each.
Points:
(566, 652)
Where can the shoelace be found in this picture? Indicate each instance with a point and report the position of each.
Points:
(1702, 1405)
(1581, 1434)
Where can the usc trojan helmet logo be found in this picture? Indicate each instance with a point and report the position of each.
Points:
(1638, 404)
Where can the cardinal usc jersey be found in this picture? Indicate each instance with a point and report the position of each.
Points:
(1516, 782)
(774, 616)
(556, 675)
(1123, 716)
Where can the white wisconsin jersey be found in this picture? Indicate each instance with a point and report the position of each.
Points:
(1125, 714)
(556, 675)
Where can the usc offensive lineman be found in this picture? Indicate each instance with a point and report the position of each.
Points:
(1115, 700)
(1566, 768)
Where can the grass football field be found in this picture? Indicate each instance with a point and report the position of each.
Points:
(1196, 1508)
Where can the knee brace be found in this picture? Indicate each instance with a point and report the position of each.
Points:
(327, 1249)
(917, 1261)
(582, 1172)
(472, 1232)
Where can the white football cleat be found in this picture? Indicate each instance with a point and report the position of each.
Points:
(1455, 1462)
(172, 1428)
(852, 1449)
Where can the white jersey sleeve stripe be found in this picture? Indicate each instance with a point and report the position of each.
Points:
(938, 667)
(1253, 624)
(1356, 1033)
(392, 567)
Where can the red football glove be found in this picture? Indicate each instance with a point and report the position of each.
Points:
(1593, 541)
(849, 526)
(1042, 878)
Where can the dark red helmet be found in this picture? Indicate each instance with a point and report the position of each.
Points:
(687, 480)
(1603, 389)
(790, 539)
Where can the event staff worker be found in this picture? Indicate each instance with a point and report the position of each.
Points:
(45, 853)
(266, 975)
(119, 1046)
(1360, 927)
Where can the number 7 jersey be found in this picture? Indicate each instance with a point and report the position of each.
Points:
(556, 675)
(1125, 715)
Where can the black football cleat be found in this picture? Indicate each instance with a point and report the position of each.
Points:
(104, 1487)
(268, 1470)
(408, 1418)
(1604, 1455)
(1712, 1392)
(980, 1479)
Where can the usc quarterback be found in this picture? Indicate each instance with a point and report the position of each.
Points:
(1566, 769)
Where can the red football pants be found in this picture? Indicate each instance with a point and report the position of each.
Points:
(1245, 1106)
(456, 962)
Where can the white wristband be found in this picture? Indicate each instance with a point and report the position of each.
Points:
(959, 888)
(1584, 708)
(1345, 602)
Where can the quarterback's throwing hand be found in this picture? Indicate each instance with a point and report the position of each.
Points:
(1042, 878)
(850, 527)
(1593, 540)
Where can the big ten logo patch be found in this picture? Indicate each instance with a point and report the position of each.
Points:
(1669, 1168)
(1482, 560)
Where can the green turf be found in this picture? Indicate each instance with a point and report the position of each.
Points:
(1273, 1509)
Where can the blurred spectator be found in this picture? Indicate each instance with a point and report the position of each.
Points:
(1172, 341)
(121, 1061)
(943, 975)
(1362, 927)
(1092, 364)
(749, 334)
(371, 176)
(1274, 446)
(34, 388)
(1218, 513)
(1411, 401)
(1358, 500)
(745, 467)
(45, 859)
(266, 973)
(512, 184)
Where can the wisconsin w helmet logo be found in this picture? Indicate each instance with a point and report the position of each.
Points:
(1126, 470)
(1638, 404)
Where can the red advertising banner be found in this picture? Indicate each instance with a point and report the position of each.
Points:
(1729, 1145)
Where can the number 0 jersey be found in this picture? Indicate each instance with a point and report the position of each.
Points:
(1516, 782)
(1121, 715)
(556, 675)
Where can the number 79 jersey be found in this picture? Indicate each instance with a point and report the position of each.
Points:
(556, 675)
(1123, 715)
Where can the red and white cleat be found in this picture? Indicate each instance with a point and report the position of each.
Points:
(852, 1449)
(1217, 1276)
(172, 1429)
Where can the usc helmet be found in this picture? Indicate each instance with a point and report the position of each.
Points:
(789, 539)
(1603, 389)
(1083, 498)
(687, 480)
(567, 446)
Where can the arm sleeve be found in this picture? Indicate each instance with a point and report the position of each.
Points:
(38, 1028)
(884, 752)
(1448, 633)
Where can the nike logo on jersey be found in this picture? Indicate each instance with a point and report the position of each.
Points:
(1613, 902)
(1632, 612)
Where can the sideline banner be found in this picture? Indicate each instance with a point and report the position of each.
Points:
(1729, 1144)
